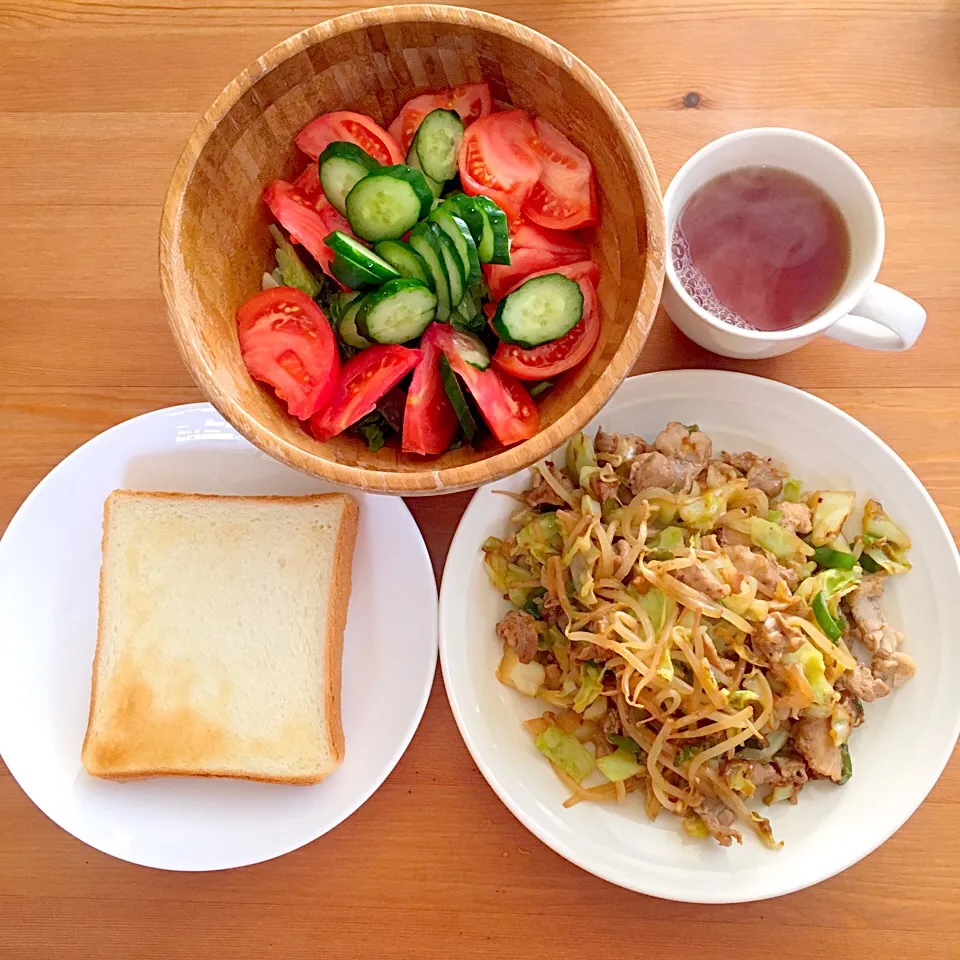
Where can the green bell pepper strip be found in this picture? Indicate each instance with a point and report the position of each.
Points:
(828, 558)
(827, 624)
(846, 765)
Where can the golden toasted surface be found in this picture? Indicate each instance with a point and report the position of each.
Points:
(220, 626)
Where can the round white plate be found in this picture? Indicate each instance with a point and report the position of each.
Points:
(49, 569)
(897, 755)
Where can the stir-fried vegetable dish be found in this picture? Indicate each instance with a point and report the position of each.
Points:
(702, 629)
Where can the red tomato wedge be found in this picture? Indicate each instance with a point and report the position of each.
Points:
(306, 222)
(551, 359)
(308, 183)
(509, 410)
(471, 101)
(523, 262)
(498, 159)
(429, 420)
(564, 198)
(287, 342)
(352, 128)
(364, 379)
(564, 243)
(581, 270)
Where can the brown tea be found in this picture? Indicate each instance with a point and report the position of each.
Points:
(761, 248)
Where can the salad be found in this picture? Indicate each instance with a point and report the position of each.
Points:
(699, 627)
(430, 279)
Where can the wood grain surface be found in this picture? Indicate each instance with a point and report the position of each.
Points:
(96, 101)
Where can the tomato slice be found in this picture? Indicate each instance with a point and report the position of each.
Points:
(523, 262)
(551, 359)
(581, 270)
(308, 183)
(498, 159)
(508, 409)
(564, 198)
(306, 222)
(562, 242)
(287, 342)
(353, 128)
(364, 379)
(429, 420)
(471, 101)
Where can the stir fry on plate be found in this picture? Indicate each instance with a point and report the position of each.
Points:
(702, 631)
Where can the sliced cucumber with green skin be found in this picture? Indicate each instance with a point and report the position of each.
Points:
(405, 260)
(363, 258)
(347, 325)
(539, 310)
(455, 392)
(355, 265)
(424, 239)
(339, 303)
(494, 245)
(462, 206)
(437, 144)
(457, 230)
(414, 161)
(456, 275)
(385, 204)
(468, 314)
(398, 312)
(342, 166)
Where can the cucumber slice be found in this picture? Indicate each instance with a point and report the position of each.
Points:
(342, 165)
(438, 142)
(347, 325)
(539, 310)
(494, 245)
(356, 266)
(386, 204)
(398, 312)
(424, 240)
(468, 315)
(414, 161)
(405, 260)
(456, 275)
(457, 398)
(462, 206)
(459, 233)
(339, 303)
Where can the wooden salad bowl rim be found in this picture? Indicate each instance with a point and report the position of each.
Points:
(427, 479)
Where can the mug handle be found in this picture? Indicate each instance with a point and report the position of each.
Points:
(885, 319)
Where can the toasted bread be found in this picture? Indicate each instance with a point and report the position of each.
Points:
(220, 637)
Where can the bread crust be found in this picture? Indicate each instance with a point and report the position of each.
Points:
(340, 589)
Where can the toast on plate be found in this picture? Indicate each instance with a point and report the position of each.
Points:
(220, 636)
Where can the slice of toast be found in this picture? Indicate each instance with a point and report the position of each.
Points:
(220, 636)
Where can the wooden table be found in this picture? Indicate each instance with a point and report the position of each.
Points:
(96, 100)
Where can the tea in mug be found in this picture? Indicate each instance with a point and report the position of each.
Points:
(761, 248)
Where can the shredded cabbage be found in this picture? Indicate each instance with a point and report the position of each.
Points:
(527, 678)
(567, 752)
(619, 765)
(591, 683)
(831, 508)
(810, 660)
(783, 544)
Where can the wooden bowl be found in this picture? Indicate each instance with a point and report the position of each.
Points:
(214, 243)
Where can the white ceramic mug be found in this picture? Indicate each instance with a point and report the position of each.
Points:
(864, 313)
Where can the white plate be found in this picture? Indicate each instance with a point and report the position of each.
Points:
(897, 755)
(49, 568)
